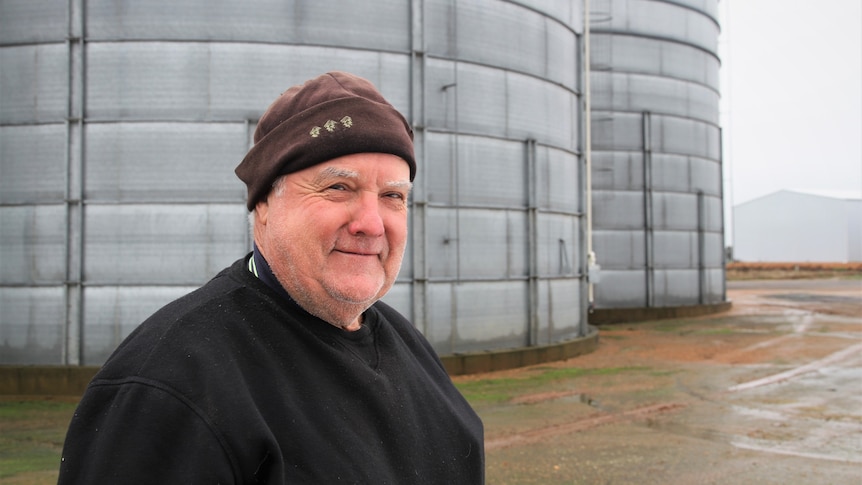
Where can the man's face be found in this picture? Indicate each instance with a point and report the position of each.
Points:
(334, 233)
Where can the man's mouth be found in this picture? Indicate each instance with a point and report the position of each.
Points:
(357, 252)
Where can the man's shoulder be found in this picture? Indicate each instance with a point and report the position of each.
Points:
(219, 292)
(196, 318)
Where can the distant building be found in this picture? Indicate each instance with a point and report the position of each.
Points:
(789, 226)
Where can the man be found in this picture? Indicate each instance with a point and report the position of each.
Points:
(285, 368)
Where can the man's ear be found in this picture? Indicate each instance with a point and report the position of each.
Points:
(262, 210)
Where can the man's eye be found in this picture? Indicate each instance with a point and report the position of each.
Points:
(395, 195)
(338, 187)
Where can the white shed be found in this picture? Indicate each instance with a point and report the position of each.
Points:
(789, 226)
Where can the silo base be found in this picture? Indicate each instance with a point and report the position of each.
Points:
(477, 362)
(607, 316)
(45, 380)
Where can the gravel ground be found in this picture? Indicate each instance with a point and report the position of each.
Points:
(769, 392)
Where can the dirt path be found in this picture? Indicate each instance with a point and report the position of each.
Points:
(769, 392)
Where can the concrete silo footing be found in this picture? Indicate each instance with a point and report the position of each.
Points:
(606, 316)
(35, 380)
(45, 380)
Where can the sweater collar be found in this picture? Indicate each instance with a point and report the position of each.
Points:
(259, 267)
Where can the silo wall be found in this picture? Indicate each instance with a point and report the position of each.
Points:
(121, 123)
(656, 153)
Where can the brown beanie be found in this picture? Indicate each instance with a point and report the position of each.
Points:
(327, 117)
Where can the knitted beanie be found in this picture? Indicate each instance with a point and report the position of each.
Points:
(327, 117)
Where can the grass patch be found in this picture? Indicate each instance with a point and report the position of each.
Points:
(36, 409)
(663, 373)
(716, 331)
(31, 435)
(673, 326)
(498, 390)
(489, 390)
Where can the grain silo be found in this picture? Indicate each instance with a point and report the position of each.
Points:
(656, 153)
(121, 122)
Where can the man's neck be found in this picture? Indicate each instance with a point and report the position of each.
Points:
(260, 267)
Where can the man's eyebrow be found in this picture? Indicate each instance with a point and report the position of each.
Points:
(334, 173)
(400, 184)
(329, 173)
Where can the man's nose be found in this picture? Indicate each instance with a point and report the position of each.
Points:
(366, 218)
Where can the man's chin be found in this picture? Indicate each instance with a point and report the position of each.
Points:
(365, 296)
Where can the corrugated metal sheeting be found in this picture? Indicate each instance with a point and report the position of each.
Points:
(121, 123)
(656, 153)
(824, 228)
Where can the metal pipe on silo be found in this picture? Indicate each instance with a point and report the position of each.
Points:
(73, 335)
(649, 235)
(532, 244)
(592, 262)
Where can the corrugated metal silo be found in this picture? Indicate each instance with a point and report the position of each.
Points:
(121, 123)
(656, 155)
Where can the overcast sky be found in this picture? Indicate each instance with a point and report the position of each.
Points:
(791, 97)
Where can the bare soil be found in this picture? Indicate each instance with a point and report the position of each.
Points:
(768, 392)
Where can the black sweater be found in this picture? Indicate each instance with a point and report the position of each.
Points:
(235, 384)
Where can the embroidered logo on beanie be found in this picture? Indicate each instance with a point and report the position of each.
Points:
(331, 125)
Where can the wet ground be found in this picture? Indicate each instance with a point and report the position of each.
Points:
(767, 393)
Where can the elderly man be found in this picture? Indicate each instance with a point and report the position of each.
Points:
(285, 368)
